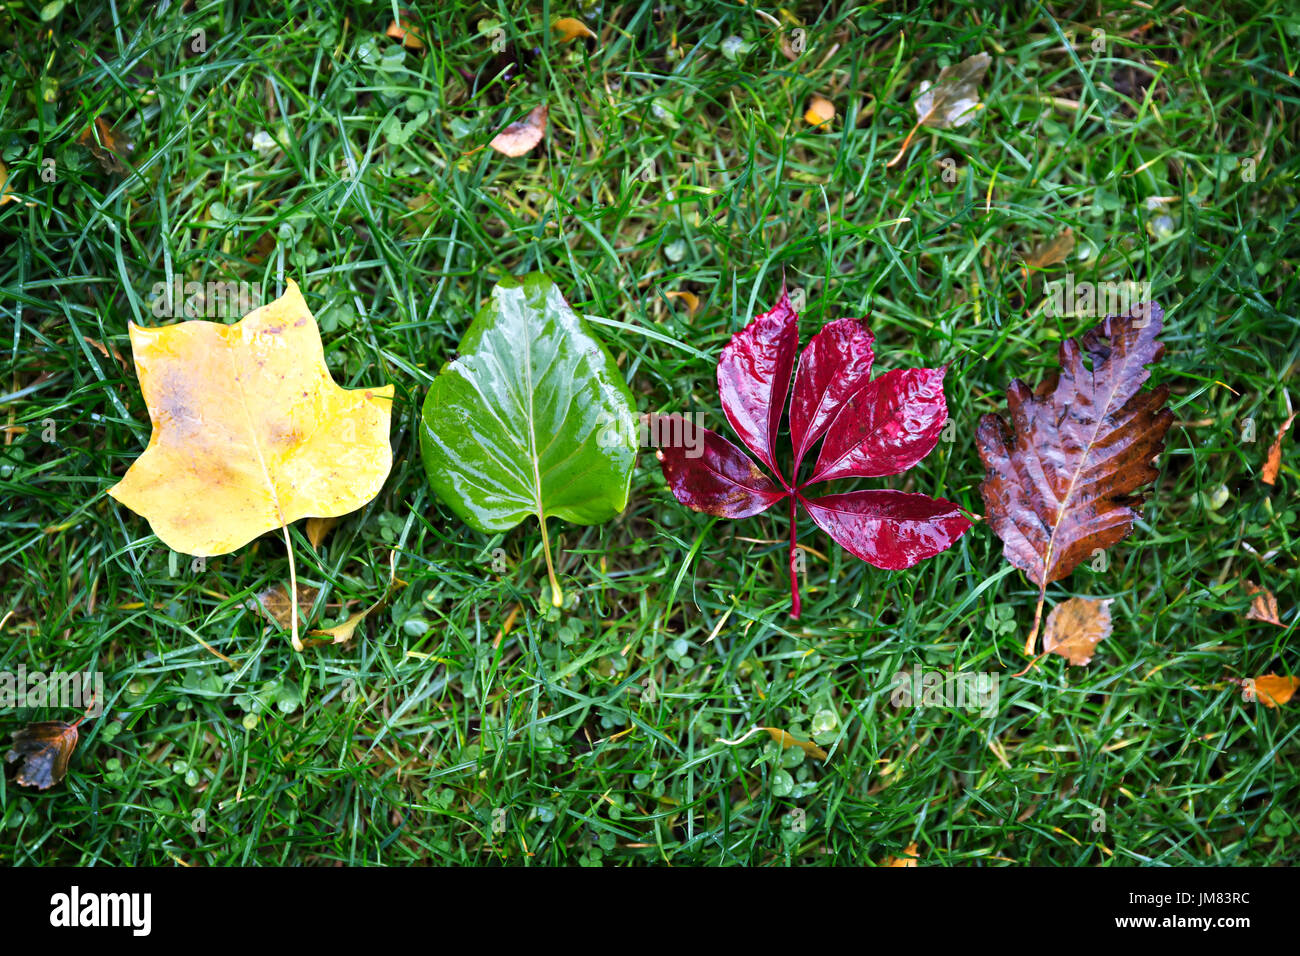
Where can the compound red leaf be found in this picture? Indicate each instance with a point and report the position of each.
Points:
(710, 474)
(754, 378)
(836, 364)
(889, 529)
(1060, 478)
(886, 427)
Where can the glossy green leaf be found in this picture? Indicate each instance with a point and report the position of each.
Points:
(532, 418)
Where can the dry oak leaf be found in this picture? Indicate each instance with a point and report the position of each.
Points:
(1274, 691)
(1075, 628)
(250, 432)
(1060, 477)
(518, 138)
(1263, 607)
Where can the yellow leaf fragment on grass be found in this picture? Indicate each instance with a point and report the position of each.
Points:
(1263, 607)
(788, 740)
(1052, 251)
(519, 138)
(909, 857)
(820, 111)
(570, 28)
(317, 528)
(690, 299)
(401, 29)
(1274, 691)
(1075, 628)
(250, 432)
(340, 633)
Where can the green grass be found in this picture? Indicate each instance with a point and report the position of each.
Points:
(427, 739)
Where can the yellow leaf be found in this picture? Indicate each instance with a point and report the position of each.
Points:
(1273, 691)
(317, 528)
(345, 631)
(518, 138)
(570, 29)
(787, 741)
(401, 29)
(820, 111)
(250, 432)
(909, 857)
(1075, 627)
(690, 298)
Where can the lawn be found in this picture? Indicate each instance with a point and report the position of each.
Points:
(469, 721)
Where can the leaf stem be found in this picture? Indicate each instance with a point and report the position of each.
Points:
(1038, 616)
(795, 606)
(557, 596)
(293, 590)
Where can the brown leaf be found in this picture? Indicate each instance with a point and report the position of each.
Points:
(1051, 252)
(1075, 627)
(1274, 461)
(787, 741)
(1263, 607)
(570, 29)
(909, 857)
(518, 138)
(1059, 482)
(953, 100)
(275, 605)
(820, 111)
(107, 145)
(401, 29)
(44, 750)
(1274, 691)
(317, 528)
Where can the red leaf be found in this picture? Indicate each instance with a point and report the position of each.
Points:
(876, 427)
(889, 529)
(886, 427)
(754, 378)
(836, 363)
(710, 474)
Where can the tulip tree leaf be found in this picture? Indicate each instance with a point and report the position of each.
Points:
(532, 418)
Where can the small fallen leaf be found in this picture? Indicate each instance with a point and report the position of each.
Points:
(1273, 462)
(691, 300)
(518, 138)
(1060, 476)
(275, 605)
(1052, 251)
(340, 633)
(909, 857)
(1263, 607)
(788, 740)
(953, 99)
(820, 111)
(401, 29)
(570, 29)
(1274, 691)
(6, 193)
(1075, 628)
(44, 749)
(317, 528)
(107, 145)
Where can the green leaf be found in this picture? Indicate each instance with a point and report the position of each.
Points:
(532, 418)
